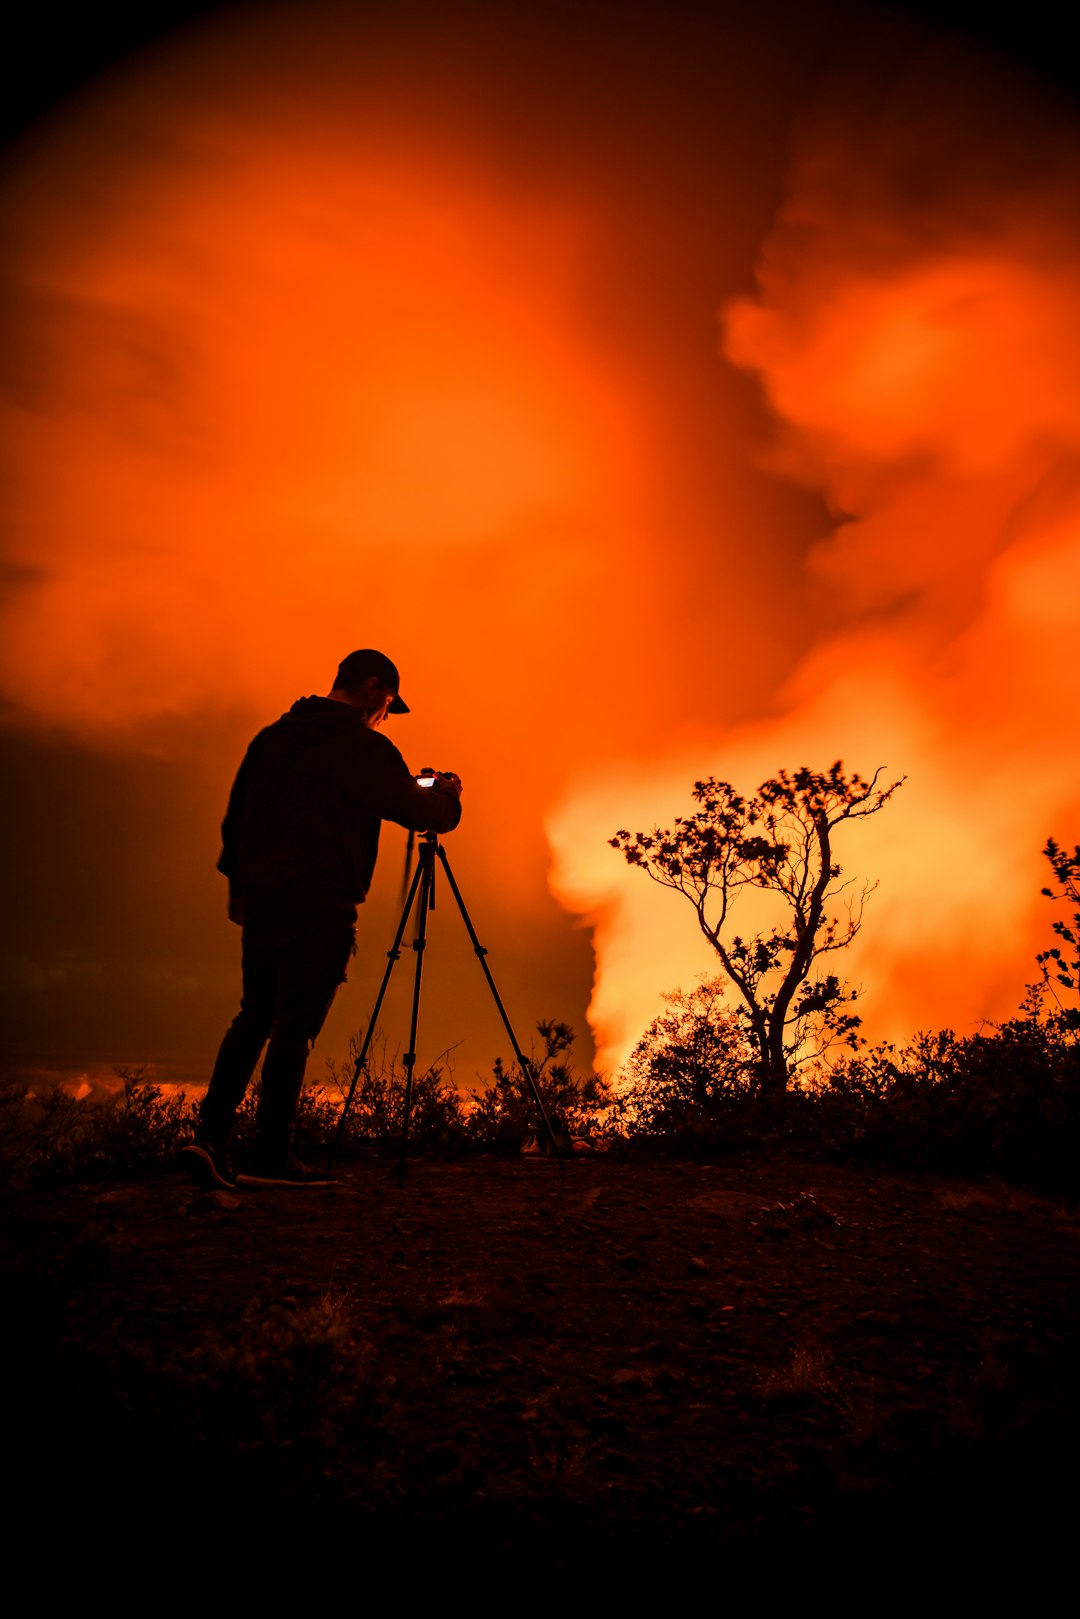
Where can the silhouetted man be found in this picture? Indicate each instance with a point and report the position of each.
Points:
(300, 838)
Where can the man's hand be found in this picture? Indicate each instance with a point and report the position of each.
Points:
(447, 781)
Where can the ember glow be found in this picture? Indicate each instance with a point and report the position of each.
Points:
(324, 337)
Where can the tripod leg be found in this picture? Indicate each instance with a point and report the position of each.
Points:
(481, 954)
(393, 955)
(427, 883)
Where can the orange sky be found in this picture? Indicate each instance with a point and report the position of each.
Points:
(333, 333)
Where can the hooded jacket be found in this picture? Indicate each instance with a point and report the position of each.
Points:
(302, 828)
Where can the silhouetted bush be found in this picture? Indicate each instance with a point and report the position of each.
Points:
(690, 1083)
(1061, 968)
(1006, 1102)
(57, 1137)
(498, 1117)
(376, 1116)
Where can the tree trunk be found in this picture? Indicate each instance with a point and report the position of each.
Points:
(774, 1067)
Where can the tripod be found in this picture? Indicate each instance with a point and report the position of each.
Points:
(423, 883)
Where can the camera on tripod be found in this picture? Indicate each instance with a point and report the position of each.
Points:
(429, 776)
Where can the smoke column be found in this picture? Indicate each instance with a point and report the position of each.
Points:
(326, 327)
(335, 325)
(916, 333)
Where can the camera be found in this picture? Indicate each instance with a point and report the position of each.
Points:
(445, 779)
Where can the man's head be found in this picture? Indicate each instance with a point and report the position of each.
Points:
(369, 681)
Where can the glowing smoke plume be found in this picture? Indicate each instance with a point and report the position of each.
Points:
(917, 335)
(284, 376)
(327, 327)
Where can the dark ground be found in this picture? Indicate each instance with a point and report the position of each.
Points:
(619, 1374)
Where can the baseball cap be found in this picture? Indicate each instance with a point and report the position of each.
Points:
(360, 666)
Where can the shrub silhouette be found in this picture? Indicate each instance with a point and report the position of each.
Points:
(377, 1114)
(56, 1137)
(690, 1073)
(1062, 968)
(501, 1113)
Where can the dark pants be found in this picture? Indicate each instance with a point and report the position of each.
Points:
(292, 966)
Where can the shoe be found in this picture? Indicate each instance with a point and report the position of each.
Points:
(208, 1165)
(291, 1173)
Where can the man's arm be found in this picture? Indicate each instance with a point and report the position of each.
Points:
(428, 809)
(421, 809)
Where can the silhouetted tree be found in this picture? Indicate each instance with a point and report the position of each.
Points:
(1057, 967)
(780, 842)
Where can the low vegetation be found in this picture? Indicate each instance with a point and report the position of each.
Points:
(1005, 1101)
